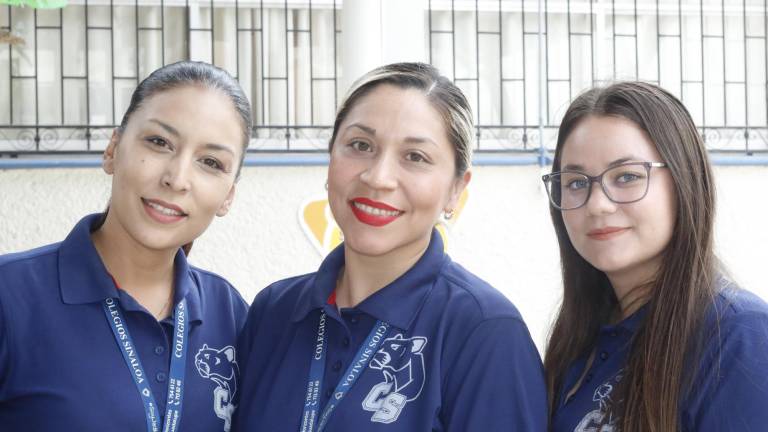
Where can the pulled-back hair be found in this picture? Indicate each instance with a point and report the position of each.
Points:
(443, 94)
(657, 374)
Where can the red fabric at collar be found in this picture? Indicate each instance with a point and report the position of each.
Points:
(113, 280)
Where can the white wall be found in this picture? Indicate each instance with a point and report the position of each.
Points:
(504, 234)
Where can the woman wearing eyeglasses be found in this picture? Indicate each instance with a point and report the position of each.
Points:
(651, 336)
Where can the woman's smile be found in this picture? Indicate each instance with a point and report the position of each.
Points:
(373, 212)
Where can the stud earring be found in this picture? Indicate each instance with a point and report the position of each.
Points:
(448, 214)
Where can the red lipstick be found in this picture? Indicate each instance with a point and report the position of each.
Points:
(372, 212)
(606, 233)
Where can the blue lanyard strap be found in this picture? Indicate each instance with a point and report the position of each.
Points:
(178, 362)
(312, 421)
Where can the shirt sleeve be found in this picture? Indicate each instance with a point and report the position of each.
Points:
(245, 339)
(5, 355)
(731, 393)
(497, 381)
(239, 308)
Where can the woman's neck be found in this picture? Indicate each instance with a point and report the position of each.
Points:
(364, 275)
(632, 288)
(145, 274)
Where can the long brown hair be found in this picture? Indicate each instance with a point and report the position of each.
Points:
(657, 375)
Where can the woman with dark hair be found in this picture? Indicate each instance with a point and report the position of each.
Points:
(112, 329)
(389, 334)
(651, 335)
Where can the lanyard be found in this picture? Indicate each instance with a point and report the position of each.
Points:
(178, 362)
(311, 420)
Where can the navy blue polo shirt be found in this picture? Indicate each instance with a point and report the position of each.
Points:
(730, 390)
(60, 366)
(457, 357)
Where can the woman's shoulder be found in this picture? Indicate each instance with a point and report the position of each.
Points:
(472, 295)
(208, 278)
(35, 271)
(214, 285)
(735, 305)
(29, 259)
(730, 388)
(737, 331)
(284, 292)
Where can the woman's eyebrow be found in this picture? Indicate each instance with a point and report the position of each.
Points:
(168, 128)
(420, 140)
(572, 167)
(619, 161)
(210, 146)
(364, 128)
(218, 147)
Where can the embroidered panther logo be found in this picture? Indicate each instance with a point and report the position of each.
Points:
(220, 367)
(401, 362)
(595, 420)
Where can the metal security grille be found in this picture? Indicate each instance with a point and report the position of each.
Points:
(710, 53)
(66, 76)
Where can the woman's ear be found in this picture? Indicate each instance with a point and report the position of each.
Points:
(459, 185)
(108, 157)
(224, 209)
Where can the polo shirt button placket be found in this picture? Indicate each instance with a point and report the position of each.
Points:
(336, 366)
(161, 377)
(604, 355)
(159, 350)
(345, 342)
(328, 393)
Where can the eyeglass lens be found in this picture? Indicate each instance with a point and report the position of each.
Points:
(622, 184)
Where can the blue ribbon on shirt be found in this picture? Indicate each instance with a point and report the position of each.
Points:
(140, 378)
(312, 420)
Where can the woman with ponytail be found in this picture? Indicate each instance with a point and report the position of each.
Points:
(112, 329)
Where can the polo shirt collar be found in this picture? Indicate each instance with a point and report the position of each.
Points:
(82, 275)
(83, 278)
(187, 286)
(629, 324)
(397, 303)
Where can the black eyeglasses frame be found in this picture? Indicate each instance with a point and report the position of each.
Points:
(547, 179)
